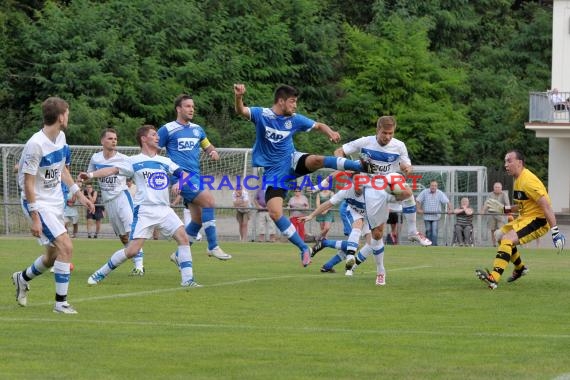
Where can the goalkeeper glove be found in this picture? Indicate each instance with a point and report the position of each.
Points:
(558, 238)
(497, 207)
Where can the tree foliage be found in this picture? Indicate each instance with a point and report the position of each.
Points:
(455, 73)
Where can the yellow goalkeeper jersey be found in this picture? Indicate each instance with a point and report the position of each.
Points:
(527, 190)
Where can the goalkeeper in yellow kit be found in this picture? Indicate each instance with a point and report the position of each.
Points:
(536, 216)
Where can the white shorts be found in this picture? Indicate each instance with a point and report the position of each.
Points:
(120, 212)
(53, 223)
(353, 215)
(147, 218)
(376, 202)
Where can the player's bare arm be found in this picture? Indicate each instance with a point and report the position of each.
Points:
(240, 108)
(29, 185)
(327, 131)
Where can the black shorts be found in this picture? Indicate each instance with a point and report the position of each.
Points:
(394, 218)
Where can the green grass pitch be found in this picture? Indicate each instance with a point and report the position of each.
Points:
(262, 316)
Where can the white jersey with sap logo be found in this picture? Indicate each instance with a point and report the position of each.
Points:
(113, 185)
(151, 176)
(46, 160)
(385, 159)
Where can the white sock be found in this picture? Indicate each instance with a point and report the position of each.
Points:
(378, 252)
(36, 268)
(185, 263)
(116, 259)
(62, 273)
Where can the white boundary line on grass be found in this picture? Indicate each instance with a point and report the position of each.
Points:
(179, 288)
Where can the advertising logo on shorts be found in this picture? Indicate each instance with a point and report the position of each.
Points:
(158, 181)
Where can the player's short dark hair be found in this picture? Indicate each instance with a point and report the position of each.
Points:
(143, 131)
(285, 92)
(52, 108)
(179, 99)
(518, 154)
(108, 130)
(386, 122)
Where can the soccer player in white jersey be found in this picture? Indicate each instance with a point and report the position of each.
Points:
(184, 141)
(387, 154)
(368, 210)
(42, 168)
(274, 151)
(115, 193)
(152, 205)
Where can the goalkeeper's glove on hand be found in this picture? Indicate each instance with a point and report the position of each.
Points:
(558, 238)
(497, 207)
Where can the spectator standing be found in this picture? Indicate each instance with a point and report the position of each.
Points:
(558, 100)
(70, 213)
(496, 221)
(298, 202)
(429, 203)
(464, 223)
(240, 200)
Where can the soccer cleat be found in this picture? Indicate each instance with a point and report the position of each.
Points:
(366, 162)
(137, 272)
(22, 288)
(318, 246)
(95, 278)
(327, 270)
(190, 284)
(350, 261)
(64, 309)
(486, 277)
(420, 238)
(518, 274)
(348, 273)
(381, 279)
(218, 253)
(174, 259)
(306, 257)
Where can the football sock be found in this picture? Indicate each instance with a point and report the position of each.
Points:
(378, 252)
(185, 262)
(289, 231)
(334, 260)
(409, 212)
(138, 260)
(209, 221)
(353, 239)
(62, 273)
(341, 163)
(516, 259)
(192, 229)
(35, 269)
(502, 259)
(363, 254)
(116, 259)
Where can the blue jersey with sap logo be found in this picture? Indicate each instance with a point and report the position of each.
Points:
(273, 145)
(182, 143)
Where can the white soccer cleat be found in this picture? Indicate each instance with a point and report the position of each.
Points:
(174, 259)
(137, 272)
(199, 237)
(420, 238)
(348, 273)
(190, 284)
(22, 288)
(95, 278)
(381, 279)
(64, 309)
(218, 253)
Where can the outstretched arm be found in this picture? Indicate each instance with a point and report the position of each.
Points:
(240, 108)
(319, 210)
(326, 130)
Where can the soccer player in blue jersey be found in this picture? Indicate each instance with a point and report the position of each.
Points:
(42, 169)
(183, 141)
(275, 152)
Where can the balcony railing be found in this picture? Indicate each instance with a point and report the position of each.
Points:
(549, 107)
